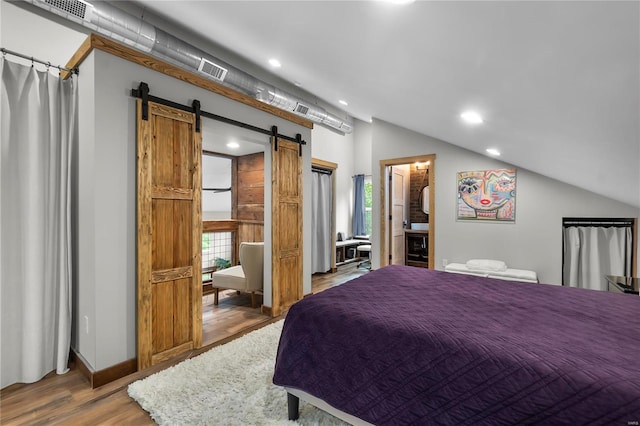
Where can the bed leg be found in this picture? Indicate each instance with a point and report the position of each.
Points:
(293, 404)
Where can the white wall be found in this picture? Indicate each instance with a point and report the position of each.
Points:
(24, 32)
(534, 241)
(331, 146)
(362, 148)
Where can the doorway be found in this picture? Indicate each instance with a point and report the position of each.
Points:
(233, 188)
(407, 201)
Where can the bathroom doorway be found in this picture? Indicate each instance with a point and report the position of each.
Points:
(407, 225)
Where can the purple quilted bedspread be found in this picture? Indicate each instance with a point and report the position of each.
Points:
(404, 345)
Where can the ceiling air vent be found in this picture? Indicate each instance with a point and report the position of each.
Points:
(301, 109)
(213, 70)
(73, 7)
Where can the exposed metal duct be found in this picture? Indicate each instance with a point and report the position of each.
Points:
(108, 20)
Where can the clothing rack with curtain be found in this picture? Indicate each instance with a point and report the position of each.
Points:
(37, 138)
(596, 247)
(321, 208)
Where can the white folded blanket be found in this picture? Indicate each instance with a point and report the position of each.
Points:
(486, 265)
(508, 274)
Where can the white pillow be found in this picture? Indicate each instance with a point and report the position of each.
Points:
(486, 265)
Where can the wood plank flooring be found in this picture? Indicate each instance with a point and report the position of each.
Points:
(69, 400)
(232, 315)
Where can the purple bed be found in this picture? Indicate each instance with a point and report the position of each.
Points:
(403, 345)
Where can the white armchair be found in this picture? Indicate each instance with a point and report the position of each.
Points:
(246, 277)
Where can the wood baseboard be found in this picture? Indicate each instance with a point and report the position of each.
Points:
(81, 365)
(267, 310)
(107, 375)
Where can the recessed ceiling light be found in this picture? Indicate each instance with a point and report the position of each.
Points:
(399, 1)
(471, 117)
(493, 151)
(343, 102)
(275, 63)
(297, 83)
(233, 145)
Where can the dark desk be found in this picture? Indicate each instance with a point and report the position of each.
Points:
(618, 284)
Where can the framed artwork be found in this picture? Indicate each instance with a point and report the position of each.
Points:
(487, 195)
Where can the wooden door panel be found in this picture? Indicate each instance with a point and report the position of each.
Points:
(169, 154)
(286, 190)
(289, 281)
(288, 225)
(169, 235)
(162, 242)
(182, 312)
(162, 149)
(182, 233)
(287, 176)
(162, 324)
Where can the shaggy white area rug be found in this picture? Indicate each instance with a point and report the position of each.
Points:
(227, 385)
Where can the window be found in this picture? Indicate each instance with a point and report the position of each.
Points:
(368, 204)
(217, 249)
(216, 187)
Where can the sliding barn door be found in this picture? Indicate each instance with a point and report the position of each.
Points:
(286, 224)
(169, 234)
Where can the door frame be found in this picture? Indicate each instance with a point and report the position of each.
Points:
(384, 231)
(328, 165)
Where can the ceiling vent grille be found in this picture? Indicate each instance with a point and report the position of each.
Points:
(213, 70)
(74, 7)
(301, 109)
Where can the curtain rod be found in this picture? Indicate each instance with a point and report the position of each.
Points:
(621, 222)
(32, 59)
(321, 170)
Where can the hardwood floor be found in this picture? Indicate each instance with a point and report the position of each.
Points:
(69, 400)
(232, 315)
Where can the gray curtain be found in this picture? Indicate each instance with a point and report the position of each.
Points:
(359, 227)
(38, 112)
(592, 252)
(321, 222)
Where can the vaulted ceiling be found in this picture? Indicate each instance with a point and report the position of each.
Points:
(557, 83)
